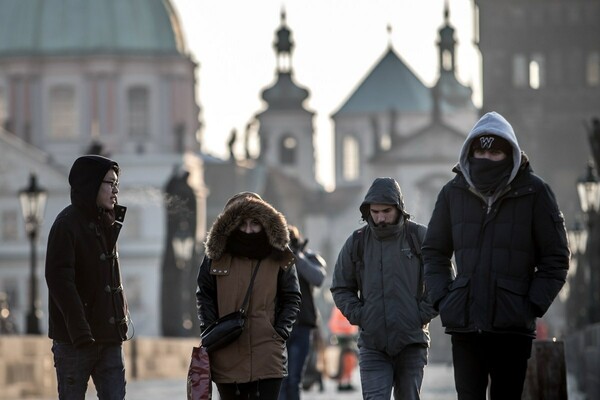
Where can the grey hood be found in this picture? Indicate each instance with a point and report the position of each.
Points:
(383, 191)
(495, 124)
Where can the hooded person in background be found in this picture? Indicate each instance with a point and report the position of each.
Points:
(311, 274)
(504, 228)
(88, 315)
(385, 296)
(249, 234)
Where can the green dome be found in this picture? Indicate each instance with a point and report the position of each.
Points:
(67, 27)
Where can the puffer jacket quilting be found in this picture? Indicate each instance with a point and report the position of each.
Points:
(510, 262)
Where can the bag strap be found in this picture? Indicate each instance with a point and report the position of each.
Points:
(247, 297)
(413, 239)
(358, 237)
(415, 248)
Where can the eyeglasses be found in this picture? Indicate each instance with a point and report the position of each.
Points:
(113, 184)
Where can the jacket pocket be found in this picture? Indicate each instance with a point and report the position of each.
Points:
(454, 307)
(512, 309)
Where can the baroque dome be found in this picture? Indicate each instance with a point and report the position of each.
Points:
(75, 27)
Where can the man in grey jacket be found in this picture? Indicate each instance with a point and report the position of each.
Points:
(382, 292)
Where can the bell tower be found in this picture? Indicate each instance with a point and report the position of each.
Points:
(286, 128)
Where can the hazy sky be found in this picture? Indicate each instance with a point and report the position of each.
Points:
(337, 42)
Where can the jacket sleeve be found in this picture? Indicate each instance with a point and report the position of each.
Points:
(206, 295)
(552, 250)
(309, 269)
(437, 252)
(344, 286)
(288, 301)
(60, 278)
(426, 309)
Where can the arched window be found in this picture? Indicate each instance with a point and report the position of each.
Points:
(350, 159)
(288, 148)
(537, 71)
(520, 72)
(593, 69)
(138, 112)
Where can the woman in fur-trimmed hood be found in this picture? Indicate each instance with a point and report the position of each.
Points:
(249, 234)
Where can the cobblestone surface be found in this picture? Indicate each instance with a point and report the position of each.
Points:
(438, 384)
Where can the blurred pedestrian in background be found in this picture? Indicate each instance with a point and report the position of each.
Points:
(311, 274)
(314, 368)
(344, 337)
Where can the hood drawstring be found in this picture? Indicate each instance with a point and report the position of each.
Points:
(237, 390)
(257, 389)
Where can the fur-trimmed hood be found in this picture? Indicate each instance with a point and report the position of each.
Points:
(241, 206)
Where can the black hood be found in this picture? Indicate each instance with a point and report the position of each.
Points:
(383, 191)
(85, 179)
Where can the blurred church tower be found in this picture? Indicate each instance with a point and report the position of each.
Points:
(286, 127)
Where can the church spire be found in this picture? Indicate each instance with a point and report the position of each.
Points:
(283, 46)
(448, 91)
(447, 43)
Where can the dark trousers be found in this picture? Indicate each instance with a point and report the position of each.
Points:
(103, 362)
(501, 358)
(380, 372)
(267, 389)
(298, 346)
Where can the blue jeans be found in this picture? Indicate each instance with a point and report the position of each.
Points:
(298, 346)
(103, 362)
(379, 372)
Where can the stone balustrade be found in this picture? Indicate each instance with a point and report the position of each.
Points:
(27, 369)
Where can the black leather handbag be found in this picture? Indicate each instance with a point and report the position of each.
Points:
(229, 327)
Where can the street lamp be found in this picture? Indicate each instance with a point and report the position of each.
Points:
(578, 236)
(576, 288)
(183, 250)
(588, 189)
(33, 202)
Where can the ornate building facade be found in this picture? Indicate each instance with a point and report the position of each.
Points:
(100, 77)
(131, 90)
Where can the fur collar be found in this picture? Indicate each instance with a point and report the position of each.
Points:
(235, 212)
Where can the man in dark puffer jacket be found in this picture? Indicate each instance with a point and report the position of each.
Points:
(503, 226)
(87, 307)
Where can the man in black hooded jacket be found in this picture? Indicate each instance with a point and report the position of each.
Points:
(503, 226)
(87, 308)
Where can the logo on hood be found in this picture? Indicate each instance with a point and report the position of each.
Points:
(485, 142)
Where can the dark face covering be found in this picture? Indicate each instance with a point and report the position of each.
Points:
(489, 176)
(383, 230)
(251, 245)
